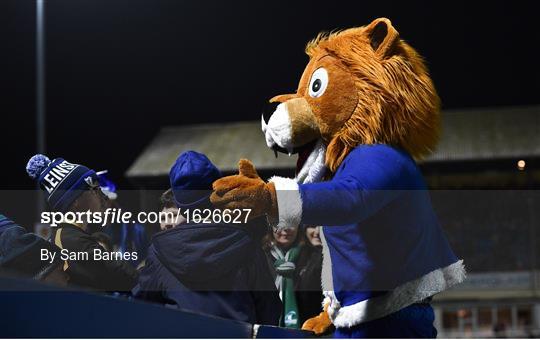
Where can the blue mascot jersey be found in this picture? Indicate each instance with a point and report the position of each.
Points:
(384, 248)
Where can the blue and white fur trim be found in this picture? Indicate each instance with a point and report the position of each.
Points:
(289, 202)
(407, 294)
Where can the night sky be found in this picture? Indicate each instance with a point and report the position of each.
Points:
(118, 70)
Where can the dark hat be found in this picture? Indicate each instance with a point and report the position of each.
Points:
(63, 182)
(191, 179)
(20, 253)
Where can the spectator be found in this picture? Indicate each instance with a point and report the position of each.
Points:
(169, 211)
(313, 236)
(308, 287)
(20, 255)
(296, 265)
(212, 268)
(75, 188)
(125, 237)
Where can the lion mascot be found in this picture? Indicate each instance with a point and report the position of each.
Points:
(364, 110)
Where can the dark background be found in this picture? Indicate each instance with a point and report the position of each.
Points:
(118, 70)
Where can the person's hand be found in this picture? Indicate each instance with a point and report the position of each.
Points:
(245, 191)
(318, 324)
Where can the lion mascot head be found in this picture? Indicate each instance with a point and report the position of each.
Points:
(362, 85)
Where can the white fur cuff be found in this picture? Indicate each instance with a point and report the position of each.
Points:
(289, 202)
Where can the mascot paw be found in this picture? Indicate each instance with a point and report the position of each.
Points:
(245, 191)
(318, 324)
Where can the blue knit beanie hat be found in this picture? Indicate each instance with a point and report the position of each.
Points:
(191, 179)
(62, 182)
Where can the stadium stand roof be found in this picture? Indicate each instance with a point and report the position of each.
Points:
(469, 134)
(489, 133)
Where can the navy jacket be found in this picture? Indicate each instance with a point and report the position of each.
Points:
(105, 275)
(213, 269)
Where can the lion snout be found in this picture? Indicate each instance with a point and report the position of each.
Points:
(277, 129)
(289, 124)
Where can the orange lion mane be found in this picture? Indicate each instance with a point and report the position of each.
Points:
(397, 101)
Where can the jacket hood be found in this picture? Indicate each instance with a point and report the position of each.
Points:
(204, 252)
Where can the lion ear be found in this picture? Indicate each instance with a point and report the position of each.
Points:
(383, 36)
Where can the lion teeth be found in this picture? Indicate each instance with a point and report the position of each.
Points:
(263, 124)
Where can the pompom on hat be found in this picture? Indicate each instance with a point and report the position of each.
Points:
(62, 182)
(36, 165)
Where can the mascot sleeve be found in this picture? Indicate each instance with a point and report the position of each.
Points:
(369, 179)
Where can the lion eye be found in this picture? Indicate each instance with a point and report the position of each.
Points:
(318, 83)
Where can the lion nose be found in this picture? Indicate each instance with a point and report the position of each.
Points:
(268, 110)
